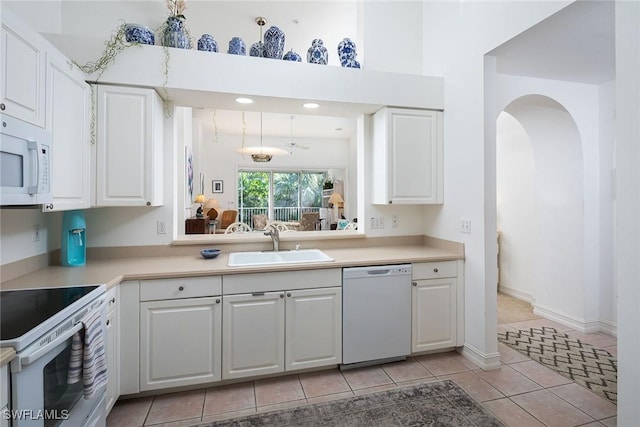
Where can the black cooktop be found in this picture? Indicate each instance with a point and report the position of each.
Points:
(24, 309)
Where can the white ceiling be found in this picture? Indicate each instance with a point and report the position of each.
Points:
(576, 44)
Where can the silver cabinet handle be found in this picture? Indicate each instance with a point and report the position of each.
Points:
(435, 270)
(288, 294)
(218, 301)
(414, 283)
(181, 288)
(281, 295)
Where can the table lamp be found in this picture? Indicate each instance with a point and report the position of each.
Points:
(200, 199)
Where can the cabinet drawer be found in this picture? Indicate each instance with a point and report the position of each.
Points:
(186, 287)
(433, 270)
(277, 281)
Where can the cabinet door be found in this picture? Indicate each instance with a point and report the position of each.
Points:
(180, 342)
(408, 157)
(23, 65)
(433, 314)
(113, 356)
(129, 147)
(253, 334)
(68, 96)
(313, 328)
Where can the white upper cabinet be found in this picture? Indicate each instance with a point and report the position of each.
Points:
(407, 157)
(129, 160)
(23, 65)
(68, 107)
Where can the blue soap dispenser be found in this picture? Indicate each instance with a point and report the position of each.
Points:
(74, 239)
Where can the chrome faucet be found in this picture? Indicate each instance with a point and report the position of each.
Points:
(275, 237)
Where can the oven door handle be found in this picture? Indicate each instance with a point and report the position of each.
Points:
(30, 358)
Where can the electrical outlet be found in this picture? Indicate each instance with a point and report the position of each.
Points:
(162, 226)
(36, 233)
(465, 226)
(376, 222)
(394, 221)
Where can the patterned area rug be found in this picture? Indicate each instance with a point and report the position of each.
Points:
(438, 404)
(591, 367)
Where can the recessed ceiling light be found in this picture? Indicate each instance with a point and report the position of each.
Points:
(310, 105)
(244, 100)
(338, 129)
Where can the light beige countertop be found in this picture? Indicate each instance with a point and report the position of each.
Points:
(6, 355)
(113, 271)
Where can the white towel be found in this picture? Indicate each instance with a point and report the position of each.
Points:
(88, 355)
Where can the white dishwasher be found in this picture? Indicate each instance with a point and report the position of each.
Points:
(376, 314)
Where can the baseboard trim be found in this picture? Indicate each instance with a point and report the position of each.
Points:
(566, 320)
(485, 361)
(610, 328)
(523, 296)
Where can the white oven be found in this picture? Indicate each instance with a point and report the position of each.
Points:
(41, 395)
(25, 158)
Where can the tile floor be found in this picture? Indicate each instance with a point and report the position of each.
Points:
(521, 393)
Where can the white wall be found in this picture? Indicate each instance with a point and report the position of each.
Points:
(456, 37)
(627, 245)
(517, 219)
(17, 230)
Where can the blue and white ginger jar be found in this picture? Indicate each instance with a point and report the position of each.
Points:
(292, 56)
(174, 34)
(135, 33)
(347, 54)
(257, 49)
(274, 42)
(237, 47)
(317, 53)
(207, 43)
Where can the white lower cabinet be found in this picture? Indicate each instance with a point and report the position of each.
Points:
(113, 347)
(180, 342)
(253, 334)
(180, 337)
(436, 318)
(313, 328)
(270, 332)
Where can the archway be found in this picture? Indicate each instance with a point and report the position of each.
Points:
(540, 193)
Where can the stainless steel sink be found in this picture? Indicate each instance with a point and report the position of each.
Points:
(241, 259)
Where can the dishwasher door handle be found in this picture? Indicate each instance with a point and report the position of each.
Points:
(378, 272)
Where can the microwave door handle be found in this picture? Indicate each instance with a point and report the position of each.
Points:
(32, 146)
(30, 358)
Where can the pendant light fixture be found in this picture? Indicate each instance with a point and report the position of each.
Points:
(261, 154)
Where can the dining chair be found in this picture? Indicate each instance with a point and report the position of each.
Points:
(228, 218)
(237, 227)
(281, 226)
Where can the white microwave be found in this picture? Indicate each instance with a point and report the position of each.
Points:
(25, 163)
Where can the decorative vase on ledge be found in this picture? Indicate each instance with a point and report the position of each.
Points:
(274, 43)
(347, 54)
(317, 53)
(207, 43)
(236, 46)
(174, 34)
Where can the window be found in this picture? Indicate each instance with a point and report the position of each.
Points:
(280, 195)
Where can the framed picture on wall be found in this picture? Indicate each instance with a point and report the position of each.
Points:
(217, 186)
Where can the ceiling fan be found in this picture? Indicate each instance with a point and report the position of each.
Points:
(291, 144)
